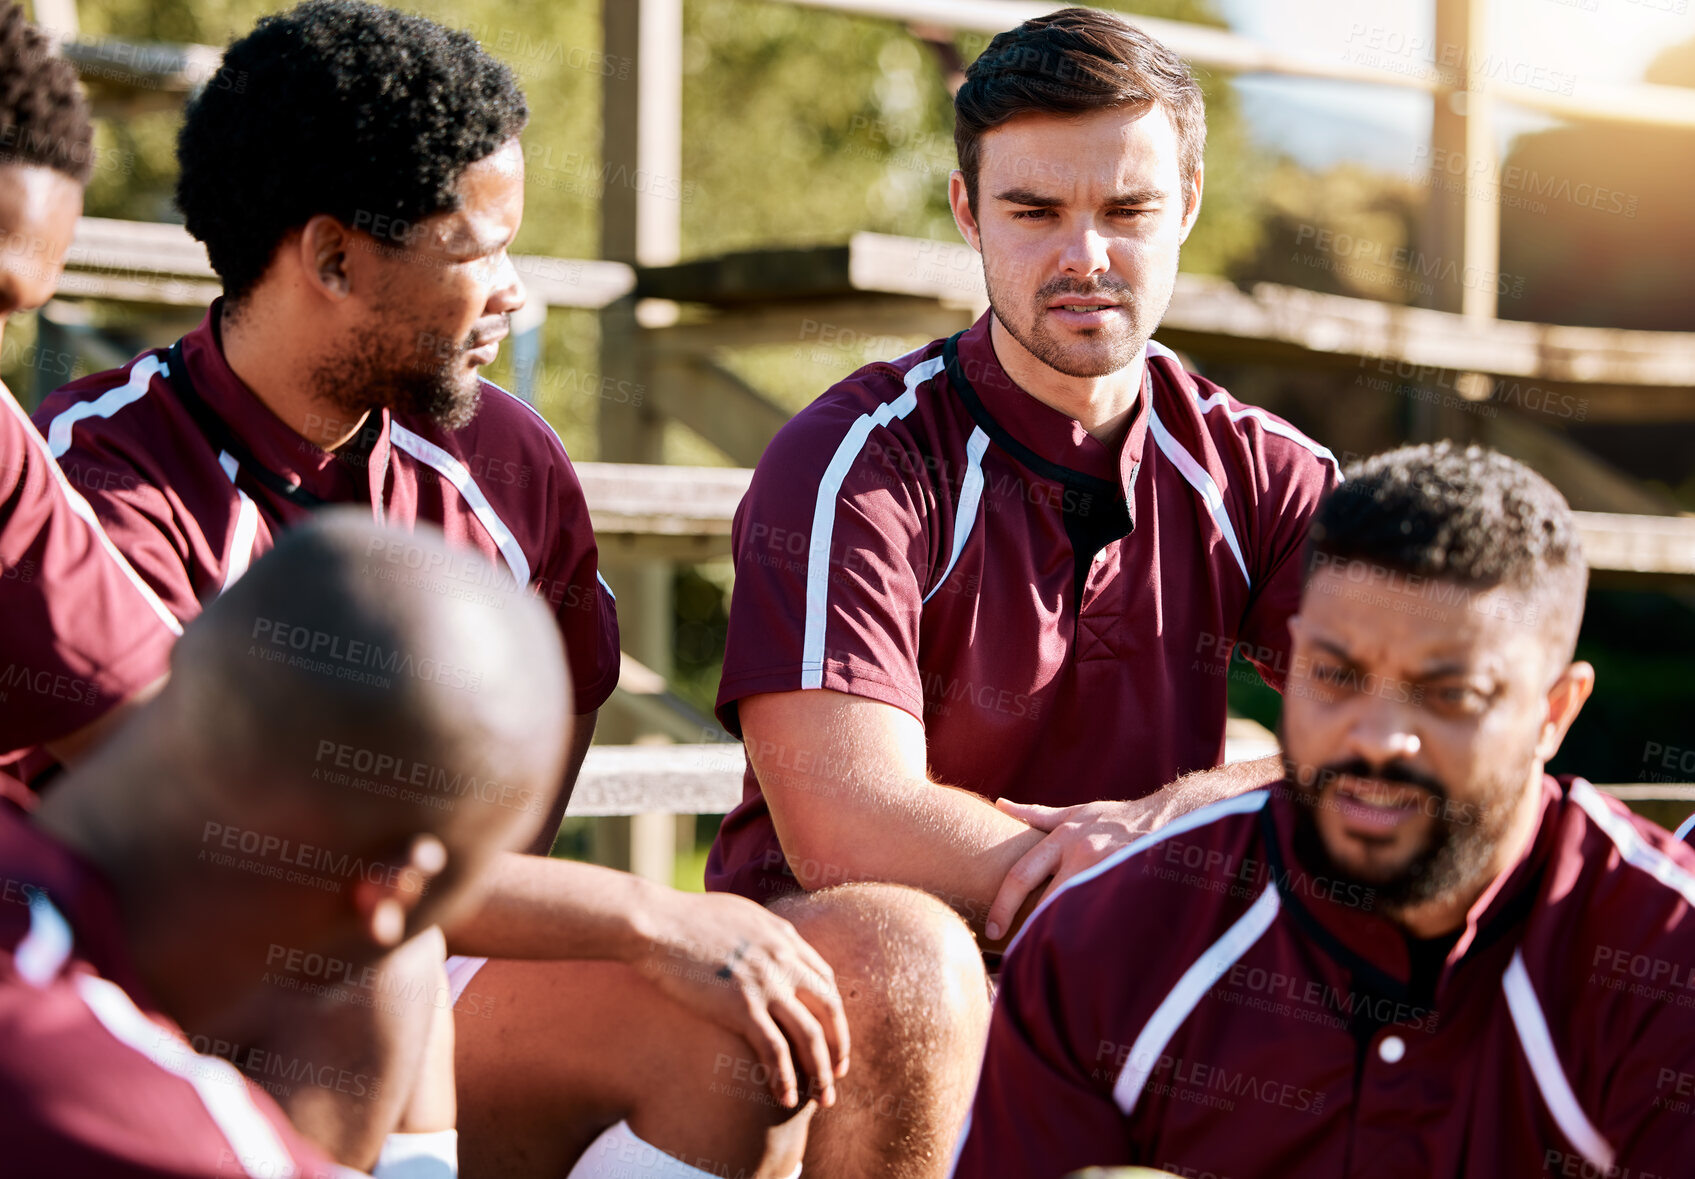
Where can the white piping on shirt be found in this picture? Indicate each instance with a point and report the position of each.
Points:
(85, 512)
(1538, 1045)
(1180, 1002)
(970, 496)
(1197, 478)
(141, 375)
(246, 527)
(41, 955)
(1636, 851)
(456, 473)
(824, 516)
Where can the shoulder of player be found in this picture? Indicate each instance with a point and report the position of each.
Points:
(1631, 864)
(874, 415)
(1193, 862)
(508, 447)
(122, 431)
(1241, 438)
(119, 403)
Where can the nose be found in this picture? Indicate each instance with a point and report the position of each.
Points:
(1383, 729)
(1085, 252)
(507, 292)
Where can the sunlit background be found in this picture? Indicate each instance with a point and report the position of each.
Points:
(803, 126)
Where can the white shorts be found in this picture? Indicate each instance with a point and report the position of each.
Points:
(619, 1154)
(460, 971)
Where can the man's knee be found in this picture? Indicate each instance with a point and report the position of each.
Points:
(894, 946)
(917, 1003)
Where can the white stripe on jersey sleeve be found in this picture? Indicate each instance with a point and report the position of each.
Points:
(1241, 804)
(970, 495)
(40, 956)
(1272, 426)
(1538, 1045)
(1195, 983)
(1196, 476)
(824, 516)
(220, 1087)
(1688, 826)
(141, 376)
(456, 473)
(85, 512)
(1636, 851)
(246, 527)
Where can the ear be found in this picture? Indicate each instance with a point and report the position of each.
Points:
(1193, 212)
(388, 891)
(963, 217)
(324, 253)
(1565, 701)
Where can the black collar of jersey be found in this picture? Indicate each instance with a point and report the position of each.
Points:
(1090, 529)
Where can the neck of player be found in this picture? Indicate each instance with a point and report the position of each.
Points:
(265, 347)
(1104, 406)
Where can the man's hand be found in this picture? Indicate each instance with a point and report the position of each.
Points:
(1078, 837)
(1082, 836)
(738, 965)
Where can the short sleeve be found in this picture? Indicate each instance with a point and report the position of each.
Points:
(1295, 479)
(569, 581)
(82, 631)
(830, 549)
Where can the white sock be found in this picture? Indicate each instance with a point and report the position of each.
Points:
(619, 1154)
(434, 1155)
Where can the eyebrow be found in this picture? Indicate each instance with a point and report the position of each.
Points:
(1436, 671)
(1036, 200)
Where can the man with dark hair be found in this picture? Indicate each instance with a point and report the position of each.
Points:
(1417, 955)
(129, 918)
(82, 632)
(356, 174)
(987, 593)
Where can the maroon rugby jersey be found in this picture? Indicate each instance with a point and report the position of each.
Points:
(94, 1080)
(79, 631)
(191, 516)
(1060, 616)
(1203, 1002)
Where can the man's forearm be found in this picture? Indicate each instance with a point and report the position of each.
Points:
(540, 908)
(948, 842)
(1193, 791)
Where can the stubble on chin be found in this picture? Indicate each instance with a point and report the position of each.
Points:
(364, 379)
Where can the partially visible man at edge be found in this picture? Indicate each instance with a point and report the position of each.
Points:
(79, 631)
(123, 931)
(360, 228)
(1418, 954)
(1013, 565)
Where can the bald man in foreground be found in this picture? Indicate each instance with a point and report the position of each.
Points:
(212, 855)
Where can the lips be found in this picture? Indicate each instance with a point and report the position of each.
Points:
(1084, 312)
(485, 352)
(1375, 809)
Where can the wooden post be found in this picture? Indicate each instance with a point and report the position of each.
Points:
(641, 154)
(1463, 240)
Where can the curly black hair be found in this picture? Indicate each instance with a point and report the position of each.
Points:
(43, 114)
(1466, 515)
(337, 107)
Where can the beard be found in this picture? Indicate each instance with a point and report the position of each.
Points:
(378, 371)
(1456, 855)
(1040, 338)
